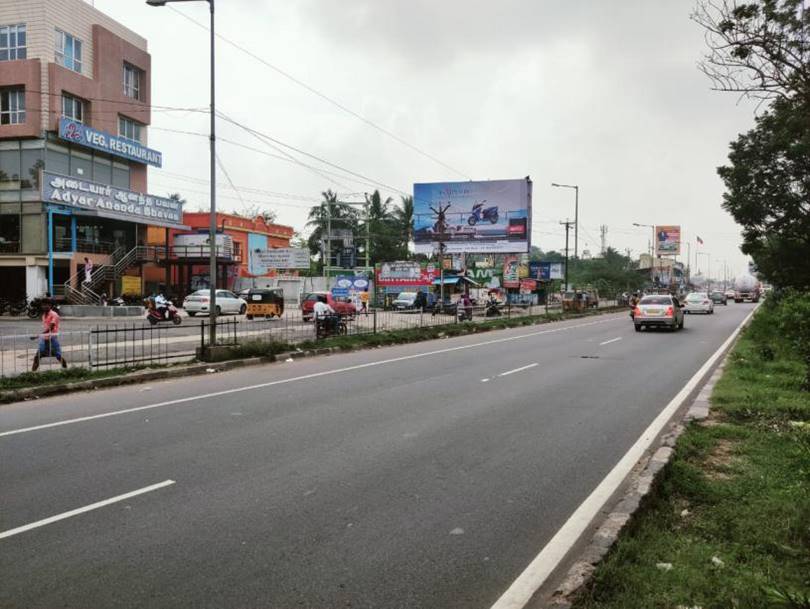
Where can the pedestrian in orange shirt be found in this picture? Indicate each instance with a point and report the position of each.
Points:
(49, 339)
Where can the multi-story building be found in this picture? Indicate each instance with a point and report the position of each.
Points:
(75, 93)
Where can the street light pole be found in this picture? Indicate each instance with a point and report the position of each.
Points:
(576, 213)
(212, 221)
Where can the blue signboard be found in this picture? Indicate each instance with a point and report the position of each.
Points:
(545, 271)
(79, 133)
(345, 285)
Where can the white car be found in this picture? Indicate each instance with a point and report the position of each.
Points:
(227, 302)
(698, 302)
(405, 300)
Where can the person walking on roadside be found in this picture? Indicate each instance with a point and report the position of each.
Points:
(88, 269)
(364, 302)
(49, 339)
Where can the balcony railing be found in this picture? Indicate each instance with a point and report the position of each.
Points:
(84, 246)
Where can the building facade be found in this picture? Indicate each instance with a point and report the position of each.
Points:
(75, 99)
(244, 236)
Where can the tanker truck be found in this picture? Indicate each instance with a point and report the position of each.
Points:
(746, 287)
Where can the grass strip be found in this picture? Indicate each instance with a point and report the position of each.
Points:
(728, 524)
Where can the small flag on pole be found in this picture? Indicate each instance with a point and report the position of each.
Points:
(699, 240)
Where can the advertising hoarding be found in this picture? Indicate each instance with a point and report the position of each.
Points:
(545, 271)
(406, 274)
(668, 240)
(280, 258)
(79, 133)
(110, 201)
(479, 217)
(347, 286)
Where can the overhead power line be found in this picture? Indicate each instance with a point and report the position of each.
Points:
(325, 97)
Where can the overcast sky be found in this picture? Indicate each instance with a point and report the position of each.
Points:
(605, 95)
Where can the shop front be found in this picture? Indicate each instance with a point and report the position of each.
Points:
(103, 224)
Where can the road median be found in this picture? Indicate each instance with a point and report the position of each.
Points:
(30, 386)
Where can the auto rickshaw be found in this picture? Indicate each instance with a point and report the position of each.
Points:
(265, 303)
(574, 302)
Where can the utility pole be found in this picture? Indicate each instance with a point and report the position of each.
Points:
(567, 225)
(441, 225)
(368, 237)
(328, 237)
(603, 230)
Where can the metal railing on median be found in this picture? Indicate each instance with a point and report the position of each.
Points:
(140, 344)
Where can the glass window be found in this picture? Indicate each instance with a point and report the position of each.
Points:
(31, 163)
(133, 77)
(9, 164)
(12, 42)
(73, 108)
(102, 170)
(120, 175)
(68, 51)
(81, 165)
(656, 300)
(12, 106)
(129, 129)
(57, 159)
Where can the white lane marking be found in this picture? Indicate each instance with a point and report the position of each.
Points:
(528, 582)
(87, 508)
(298, 378)
(612, 340)
(484, 380)
(521, 369)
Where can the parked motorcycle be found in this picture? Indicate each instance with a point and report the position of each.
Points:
(481, 214)
(169, 313)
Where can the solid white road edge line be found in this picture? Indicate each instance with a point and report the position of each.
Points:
(612, 340)
(82, 510)
(521, 369)
(304, 377)
(528, 582)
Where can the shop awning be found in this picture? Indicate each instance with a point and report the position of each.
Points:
(136, 219)
(454, 280)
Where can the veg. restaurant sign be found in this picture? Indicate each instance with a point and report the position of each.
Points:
(110, 201)
(79, 133)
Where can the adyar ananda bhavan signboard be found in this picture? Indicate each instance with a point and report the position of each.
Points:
(78, 133)
(110, 201)
(480, 217)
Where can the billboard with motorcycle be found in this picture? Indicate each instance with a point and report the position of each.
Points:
(473, 217)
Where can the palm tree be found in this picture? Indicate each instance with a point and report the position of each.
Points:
(404, 219)
(343, 216)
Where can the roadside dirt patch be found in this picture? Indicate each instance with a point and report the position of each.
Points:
(721, 460)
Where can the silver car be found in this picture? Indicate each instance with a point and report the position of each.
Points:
(658, 311)
(699, 302)
(227, 302)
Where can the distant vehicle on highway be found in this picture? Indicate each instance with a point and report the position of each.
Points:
(344, 308)
(658, 311)
(719, 297)
(699, 302)
(730, 294)
(746, 287)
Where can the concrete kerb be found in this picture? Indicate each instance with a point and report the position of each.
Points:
(154, 374)
(639, 484)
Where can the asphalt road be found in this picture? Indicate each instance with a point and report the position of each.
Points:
(426, 475)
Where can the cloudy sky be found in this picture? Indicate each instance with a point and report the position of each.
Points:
(605, 95)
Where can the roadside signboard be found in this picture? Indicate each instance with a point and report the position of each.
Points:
(349, 285)
(406, 274)
(667, 240)
(545, 271)
(131, 285)
(480, 217)
(282, 258)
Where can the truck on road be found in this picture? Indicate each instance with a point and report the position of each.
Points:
(746, 287)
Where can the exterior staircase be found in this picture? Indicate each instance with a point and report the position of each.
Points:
(89, 292)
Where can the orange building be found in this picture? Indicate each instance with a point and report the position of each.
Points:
(189, 271)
